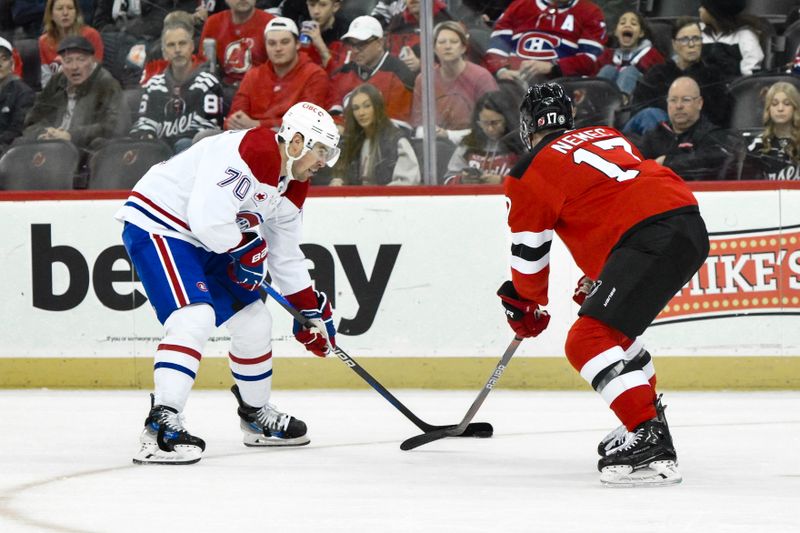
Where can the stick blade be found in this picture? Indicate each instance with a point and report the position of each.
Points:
(424, 438)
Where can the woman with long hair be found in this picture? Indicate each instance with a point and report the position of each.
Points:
(61, 19)
(374, 151)
(730, 39)
(775, 154)
(493, 145)
(458, 83)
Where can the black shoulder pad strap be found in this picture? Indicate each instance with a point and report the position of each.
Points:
(522, 165)
(525, 161)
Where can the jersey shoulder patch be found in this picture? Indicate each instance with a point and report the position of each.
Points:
(259, 150)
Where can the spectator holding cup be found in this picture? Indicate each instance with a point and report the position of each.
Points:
(321, 37)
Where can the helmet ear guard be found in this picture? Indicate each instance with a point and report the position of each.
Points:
(545, 106)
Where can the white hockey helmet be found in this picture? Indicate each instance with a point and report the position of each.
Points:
(316, 126)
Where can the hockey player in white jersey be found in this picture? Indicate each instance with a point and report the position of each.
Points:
(202, 229)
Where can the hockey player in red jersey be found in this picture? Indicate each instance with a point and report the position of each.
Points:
(634, 227)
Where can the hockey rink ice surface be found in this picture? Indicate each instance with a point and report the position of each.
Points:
(65, 466)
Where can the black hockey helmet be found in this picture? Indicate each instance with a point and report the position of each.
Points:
(545, 106)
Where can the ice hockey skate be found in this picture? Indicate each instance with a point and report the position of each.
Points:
(266, 426)
(165, 441)
(646, 458)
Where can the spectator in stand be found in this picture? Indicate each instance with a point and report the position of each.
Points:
(650, 96)
(775, 154)
(159, 65)
(544, 39)
(183, 100)
(23, 16)
(239, 34)
(63, 18)
(633, 53)
(403, 32)
(16, 98)
(144, 18)
(372, 63)
(385, 10)
(374, 151)
(728, 38)
(324, 33)
(288, 77)
(80, 104)
(458, 84)
(688, 143)
(493, 145)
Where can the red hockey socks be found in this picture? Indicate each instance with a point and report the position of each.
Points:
(617, 367)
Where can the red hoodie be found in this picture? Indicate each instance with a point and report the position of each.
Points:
(265, 97)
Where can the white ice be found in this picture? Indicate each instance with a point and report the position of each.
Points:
(65, 466)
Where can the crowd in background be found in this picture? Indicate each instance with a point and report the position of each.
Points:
(97, 73)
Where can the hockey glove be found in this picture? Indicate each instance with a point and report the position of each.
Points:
(524, 316)
(248, 268)
(320, 339)
(583, 289)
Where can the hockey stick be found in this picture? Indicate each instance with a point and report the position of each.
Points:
(476, 429)
(457, 431)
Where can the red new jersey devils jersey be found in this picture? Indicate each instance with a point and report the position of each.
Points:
(590, 186)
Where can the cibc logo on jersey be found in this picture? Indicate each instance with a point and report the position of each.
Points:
(537, 45)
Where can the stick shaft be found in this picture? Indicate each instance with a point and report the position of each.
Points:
(480, 427)
(487, 388)
(455, 431)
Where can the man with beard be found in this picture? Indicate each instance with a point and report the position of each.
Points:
(181, 101)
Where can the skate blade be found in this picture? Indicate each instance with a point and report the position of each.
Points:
(656, 474)
(261, 441)
(151, 454)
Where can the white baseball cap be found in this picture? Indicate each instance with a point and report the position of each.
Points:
(363, 28)
(4, 44)
(282, 24)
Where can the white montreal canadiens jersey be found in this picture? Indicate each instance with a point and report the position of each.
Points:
(196, 196)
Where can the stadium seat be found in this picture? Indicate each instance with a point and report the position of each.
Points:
(791, 41)
(31, 65)
(444, 149)
(661, 36)
(596, 100)
(120, 163)
(669, 9)
(132, 98)
(775, 11)
(748, 99)
(39, 166)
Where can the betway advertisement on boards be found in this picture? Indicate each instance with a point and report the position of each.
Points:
(408, 276)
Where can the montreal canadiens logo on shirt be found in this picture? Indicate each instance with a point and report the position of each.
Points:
(537, 45)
